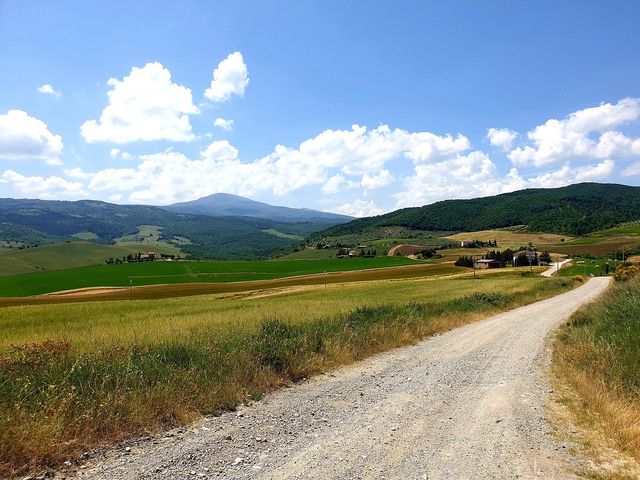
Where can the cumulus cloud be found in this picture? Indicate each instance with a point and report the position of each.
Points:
(48, 89)
(333, 160)
(77, 173)
(475, 175)
(43, 187)
(144, 106)
(427, 167)
(573, 136)
(358, 208)
(501, 137)
(379, 180)
(223, 123)
(117, 153)
(23, 137)
(229, 78)
(632, 170)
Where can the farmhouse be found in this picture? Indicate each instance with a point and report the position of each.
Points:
(487, 263)
(531, 256)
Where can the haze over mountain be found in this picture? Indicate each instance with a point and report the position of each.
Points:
(572, 210)
(227, 205)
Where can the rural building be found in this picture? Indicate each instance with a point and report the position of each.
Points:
(532, 256)
(487, 263)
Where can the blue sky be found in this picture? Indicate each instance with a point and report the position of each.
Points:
(356, 107)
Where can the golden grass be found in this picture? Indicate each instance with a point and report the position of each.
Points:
(75, 376)
(596, 359)
(508, 238)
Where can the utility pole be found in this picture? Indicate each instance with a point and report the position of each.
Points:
(130, 289)
(473, 260)
(325, 280)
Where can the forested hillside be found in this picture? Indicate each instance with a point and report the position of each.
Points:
(25, 223)
(573, 210)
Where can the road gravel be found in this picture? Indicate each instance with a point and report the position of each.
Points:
(467, 404)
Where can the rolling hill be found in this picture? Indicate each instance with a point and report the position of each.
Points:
(27, 223)
(573, 210)
(227, 205)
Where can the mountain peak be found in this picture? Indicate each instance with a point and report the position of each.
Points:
(227, 204)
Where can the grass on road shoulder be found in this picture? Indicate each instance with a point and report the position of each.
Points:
(597, 354)
(75, 376)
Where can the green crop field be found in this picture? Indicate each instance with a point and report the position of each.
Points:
(65, 255)
(153, 273)
(589, 266)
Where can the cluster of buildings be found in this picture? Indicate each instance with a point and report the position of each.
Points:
(522, 257)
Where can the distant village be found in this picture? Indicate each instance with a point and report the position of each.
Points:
(523, 257)
(143, 257)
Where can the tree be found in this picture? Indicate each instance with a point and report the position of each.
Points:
(464, 261)
(545, 257)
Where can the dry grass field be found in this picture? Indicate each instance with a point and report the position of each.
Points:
(508, 238)
(77, 375)
(597, 356)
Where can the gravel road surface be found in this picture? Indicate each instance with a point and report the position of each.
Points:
(554, 268)
(468, 404)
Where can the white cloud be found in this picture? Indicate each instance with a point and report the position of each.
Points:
(117, 153)
(43, 187)
(360, 160)
(48, 90)
(568, 175)
(475, 175)
(459, 176)
(334, 184)
(145, 105)
(27, 138)
(77, 174)
(501, 137)
(223, 123)
(354, 158)
(229, 78)
(379, 180)
(359, 208)
(572, 137)
(632, 170)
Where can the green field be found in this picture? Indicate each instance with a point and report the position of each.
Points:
(77, 376)
(65, 255)
(153, 273)
(588, 266)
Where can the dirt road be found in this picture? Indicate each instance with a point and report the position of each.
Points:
(554, 268)
(468, 404)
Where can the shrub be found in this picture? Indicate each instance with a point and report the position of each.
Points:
(624, 273)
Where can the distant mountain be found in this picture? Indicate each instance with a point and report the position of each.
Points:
(573, 210)
(227, 205)
(25, 223)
